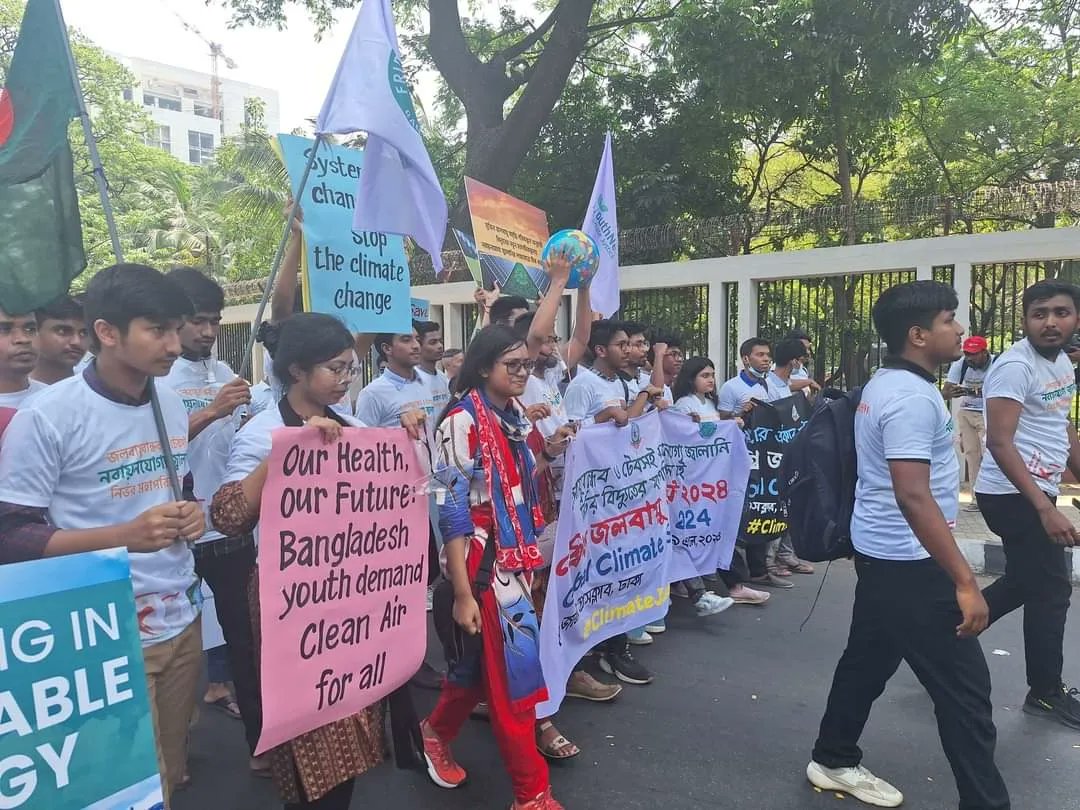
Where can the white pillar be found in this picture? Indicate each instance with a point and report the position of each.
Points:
(962, 285)
(453, 325)
(718, 320)
(748, 314)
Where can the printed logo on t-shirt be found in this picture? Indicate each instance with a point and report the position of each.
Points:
(140, 459)
(1058, 393)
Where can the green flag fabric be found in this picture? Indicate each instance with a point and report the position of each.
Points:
(40, 233)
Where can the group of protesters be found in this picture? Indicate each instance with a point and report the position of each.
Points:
(90, 387)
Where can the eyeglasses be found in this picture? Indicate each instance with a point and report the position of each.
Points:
(342, 372)
(515, 367)
(621, 345)
(640, 344)
(675, 354)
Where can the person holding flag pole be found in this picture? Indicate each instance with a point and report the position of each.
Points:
(66, 489)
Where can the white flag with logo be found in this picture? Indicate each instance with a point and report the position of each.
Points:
(602, 224)
(399, 191)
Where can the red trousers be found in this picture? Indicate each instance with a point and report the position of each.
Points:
(515, 732)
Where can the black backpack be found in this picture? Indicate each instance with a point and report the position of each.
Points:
(817, 479)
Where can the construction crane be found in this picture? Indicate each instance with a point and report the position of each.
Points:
(216, 53)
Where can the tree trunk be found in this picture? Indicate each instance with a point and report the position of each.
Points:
(838, 110)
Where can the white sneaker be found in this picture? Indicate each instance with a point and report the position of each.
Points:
(641, 639)
(710, 604)
(857, 781)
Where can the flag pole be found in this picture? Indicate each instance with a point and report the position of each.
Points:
(276, 266)
(91, 144)
(114, 236)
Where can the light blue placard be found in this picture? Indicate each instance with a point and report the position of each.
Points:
(76, 731)
(360, 276)
(421, 309)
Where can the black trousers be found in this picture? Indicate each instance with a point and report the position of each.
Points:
(907, 611)
(749, 560)
(1037, 577)
(228, 575)
(337, 799)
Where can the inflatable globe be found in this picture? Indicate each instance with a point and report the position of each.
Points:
(582, 252)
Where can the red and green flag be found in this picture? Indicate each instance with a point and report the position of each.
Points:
(41, 247)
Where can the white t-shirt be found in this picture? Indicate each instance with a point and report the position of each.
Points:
(589, 393)
(971, 377)
(388, 396)
(17, 398)
(1045, 389)
(901, 416)
(262, 397)
(736, 392)
(198, 382)
(541, 392)
(91, 463)
(439, 385)
(800, 373)
(702, 406)
(645, 379)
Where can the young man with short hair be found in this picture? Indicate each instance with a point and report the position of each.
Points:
(18, 356)
(916, 599)
(215, 399)
(737, 397)
(83, 469)
(62, 340)
(431, 352)
(1029, 394)
(506, 309)
(666, 349)
(964, 382)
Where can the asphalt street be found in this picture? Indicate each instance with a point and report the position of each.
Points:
(729, 723)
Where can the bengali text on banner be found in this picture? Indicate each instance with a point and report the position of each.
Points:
(343, 540)
(706, 465)
(609, 570)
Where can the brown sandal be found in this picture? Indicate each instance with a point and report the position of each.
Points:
(558, 747)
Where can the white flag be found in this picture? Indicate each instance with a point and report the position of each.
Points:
(398, 191)
(602, 224)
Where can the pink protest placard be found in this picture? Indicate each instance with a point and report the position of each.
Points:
(343, 541)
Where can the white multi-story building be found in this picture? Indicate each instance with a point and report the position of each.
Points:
(181, 103)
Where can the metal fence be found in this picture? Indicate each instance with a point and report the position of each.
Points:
(681, 309)
(232, 343)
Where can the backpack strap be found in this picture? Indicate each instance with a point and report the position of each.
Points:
(963, 370)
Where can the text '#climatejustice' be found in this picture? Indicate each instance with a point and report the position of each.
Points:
(343, 540)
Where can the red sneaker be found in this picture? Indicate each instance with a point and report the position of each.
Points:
(441, 766)
(545, 801)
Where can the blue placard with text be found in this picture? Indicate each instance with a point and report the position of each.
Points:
(361, 277)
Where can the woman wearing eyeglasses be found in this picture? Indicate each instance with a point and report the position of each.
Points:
(490, 519)
(314, 359)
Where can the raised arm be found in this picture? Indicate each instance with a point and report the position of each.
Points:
(284, 298)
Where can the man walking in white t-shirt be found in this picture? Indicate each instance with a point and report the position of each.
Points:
(964, 382)
(430, 336)
(18, 355)
(1029, 394)
(917, 599)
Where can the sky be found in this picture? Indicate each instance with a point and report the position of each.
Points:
(289, 61)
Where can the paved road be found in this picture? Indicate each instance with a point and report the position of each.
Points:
(728, 724)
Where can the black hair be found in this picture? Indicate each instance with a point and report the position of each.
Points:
(1048, 288)
(915, 303)
(523, 323)
(268, 335)
(798, 334)
(387, 339)
(684, 383)
(602, 333)
(123, 292)
(501, 309)
(632, 328)
(307, 339)
(788, 350)
(206, 294)
(487, 346)
(673, 340)
(426, 328)
(750, 344)
(64, 308)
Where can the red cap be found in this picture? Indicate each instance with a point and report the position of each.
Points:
(975, 344)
